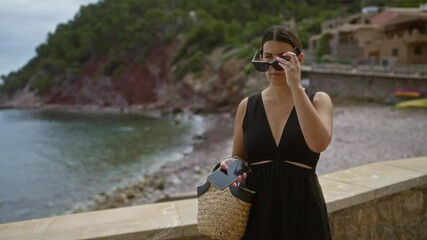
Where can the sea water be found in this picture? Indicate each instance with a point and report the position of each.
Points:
(52, 160)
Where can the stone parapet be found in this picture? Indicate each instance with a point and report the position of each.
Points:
(398, 216)
(389, 201)
(386, 200)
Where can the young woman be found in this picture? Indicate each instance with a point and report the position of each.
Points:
(280, 132)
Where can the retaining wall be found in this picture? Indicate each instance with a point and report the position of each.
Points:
(360, 83)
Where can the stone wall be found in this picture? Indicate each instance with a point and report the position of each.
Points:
(398, 216)
(361, 84)
(379, 201)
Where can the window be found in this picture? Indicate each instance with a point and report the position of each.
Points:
(418, 50)
(384, 62)
(394, 52)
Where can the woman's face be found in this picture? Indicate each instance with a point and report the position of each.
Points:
(271, 50)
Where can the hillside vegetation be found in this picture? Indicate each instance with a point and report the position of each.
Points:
(118, 48)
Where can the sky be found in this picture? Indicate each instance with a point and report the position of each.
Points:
(24, 25)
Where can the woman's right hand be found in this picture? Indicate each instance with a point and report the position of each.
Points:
(224, 166)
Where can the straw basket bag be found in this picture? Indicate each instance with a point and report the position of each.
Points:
(223, 214)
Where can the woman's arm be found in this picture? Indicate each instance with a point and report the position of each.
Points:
(315, 119)
(238, 148)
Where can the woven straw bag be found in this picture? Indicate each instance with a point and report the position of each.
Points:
(223, 214)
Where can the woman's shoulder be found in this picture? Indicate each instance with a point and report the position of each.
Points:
(243, 104)
(247, 100)
(253, 97)
(251, 100)
(320, 95)
(321, 98)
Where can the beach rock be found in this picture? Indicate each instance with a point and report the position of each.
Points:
(175, 180)
(157, 181)
(197, 169)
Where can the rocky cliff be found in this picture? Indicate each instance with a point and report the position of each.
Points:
(152, 84)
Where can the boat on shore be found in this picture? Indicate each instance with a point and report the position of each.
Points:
(414, 103)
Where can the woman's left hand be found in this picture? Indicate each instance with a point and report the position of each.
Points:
(224, 166)
(292, 69)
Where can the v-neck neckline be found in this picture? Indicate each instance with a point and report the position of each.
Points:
(277, 145)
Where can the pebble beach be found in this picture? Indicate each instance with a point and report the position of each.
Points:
(363, 133)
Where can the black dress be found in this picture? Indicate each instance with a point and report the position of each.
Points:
(289, 202)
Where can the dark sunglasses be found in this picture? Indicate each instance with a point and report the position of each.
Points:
(263, 66)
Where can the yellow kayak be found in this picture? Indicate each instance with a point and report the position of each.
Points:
(415, 103)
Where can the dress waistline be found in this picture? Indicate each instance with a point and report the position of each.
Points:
(300, 165)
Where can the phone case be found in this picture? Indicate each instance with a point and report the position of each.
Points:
(222, 179)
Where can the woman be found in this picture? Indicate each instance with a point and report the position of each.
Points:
(280, 132)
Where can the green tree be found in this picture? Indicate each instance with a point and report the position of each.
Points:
(323, 48)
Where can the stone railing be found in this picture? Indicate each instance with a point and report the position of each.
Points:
(386, 200)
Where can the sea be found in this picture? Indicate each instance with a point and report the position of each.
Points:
(51, 160)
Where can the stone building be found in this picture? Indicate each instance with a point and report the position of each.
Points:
(392, 36)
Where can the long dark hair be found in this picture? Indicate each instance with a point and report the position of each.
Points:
(282, 34)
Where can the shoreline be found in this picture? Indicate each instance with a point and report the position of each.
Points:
(356, 141)
(176, 177)
(208, 146)
(363, 133)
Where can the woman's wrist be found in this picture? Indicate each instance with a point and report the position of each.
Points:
(295, 88)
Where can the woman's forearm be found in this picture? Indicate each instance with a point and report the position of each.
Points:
(315, 119)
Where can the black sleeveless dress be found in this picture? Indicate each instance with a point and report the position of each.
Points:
(289, 202)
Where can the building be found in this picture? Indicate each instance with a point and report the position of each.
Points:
(392, 36)
(403, 38)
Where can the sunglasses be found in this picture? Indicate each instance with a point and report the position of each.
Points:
(263, 66)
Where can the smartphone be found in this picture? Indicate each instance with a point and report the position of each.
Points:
(221, 178)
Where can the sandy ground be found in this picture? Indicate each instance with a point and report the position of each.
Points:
(363, 133)
(367, 133)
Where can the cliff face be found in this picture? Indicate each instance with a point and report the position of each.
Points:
(135, 84)
(219, 87)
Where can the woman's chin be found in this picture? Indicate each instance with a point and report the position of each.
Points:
(277, 78)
